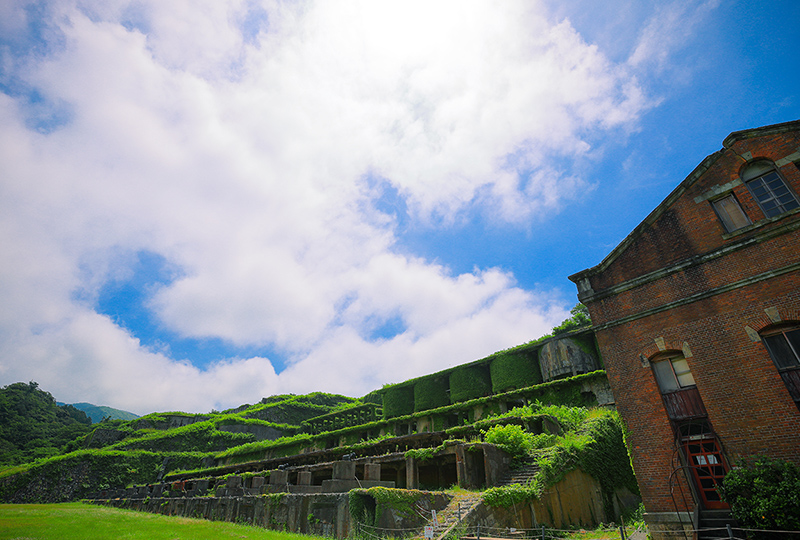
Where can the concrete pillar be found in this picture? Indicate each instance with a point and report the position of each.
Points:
(372, 471)
(412, 474)
(304, 478)
(279, 478)
(344, 470)
(461, 467)
(234, 482)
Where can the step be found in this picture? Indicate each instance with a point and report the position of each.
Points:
(713, 524)
(448, 518)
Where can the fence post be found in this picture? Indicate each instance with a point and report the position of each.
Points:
(478, 534)
(730, 531)
(622, 532)
(543, 538)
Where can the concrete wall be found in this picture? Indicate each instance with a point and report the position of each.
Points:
(576, 501)
(314, 514)
(319, 514)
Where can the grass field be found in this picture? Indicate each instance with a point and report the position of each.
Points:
(78, 521)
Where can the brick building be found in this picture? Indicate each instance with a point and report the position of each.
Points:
(697, 316)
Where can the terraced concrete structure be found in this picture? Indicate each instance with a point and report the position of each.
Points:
(325, 464)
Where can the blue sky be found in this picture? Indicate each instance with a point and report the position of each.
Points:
(203, 204)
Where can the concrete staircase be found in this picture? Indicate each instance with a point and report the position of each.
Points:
(462, 504)
(712, 525)
(523, 474)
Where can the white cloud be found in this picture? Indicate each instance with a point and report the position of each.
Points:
(668, 31)
(244, 163)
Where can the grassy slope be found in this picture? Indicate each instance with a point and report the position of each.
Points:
(78, 521)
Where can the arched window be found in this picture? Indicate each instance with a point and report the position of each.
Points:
(783, 345)
(768, 188)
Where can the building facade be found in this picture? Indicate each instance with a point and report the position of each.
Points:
(697, 317)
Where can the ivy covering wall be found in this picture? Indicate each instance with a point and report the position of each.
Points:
(469, 382)
(431, 393)
(514, 370)
(398, 401)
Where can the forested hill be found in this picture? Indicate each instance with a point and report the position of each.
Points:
(33, 425)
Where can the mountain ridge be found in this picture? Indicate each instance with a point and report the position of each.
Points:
(97, 412)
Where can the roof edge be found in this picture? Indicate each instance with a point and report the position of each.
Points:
(793, 125)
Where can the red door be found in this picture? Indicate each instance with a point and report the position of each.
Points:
(708, 467)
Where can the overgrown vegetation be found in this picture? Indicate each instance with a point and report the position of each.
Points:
(367, 505)
(512, 371)
(78, 474)
(511, 438)
(431, 393)
(33, 426)
(398, 401)
(764, 494)
(469, 382)
(592, 441)
(466, 402)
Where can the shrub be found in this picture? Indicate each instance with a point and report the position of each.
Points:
(511, 438)
(580, 318)
(764, 494)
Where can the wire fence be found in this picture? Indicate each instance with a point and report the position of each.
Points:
(478, 532)
(461, 530)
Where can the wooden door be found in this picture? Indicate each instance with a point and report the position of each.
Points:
(708, 468)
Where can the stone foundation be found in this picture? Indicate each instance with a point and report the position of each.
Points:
(669, 525)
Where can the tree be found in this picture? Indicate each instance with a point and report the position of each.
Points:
(32, 424)
(579, 319)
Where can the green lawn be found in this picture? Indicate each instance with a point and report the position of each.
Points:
(78, 521)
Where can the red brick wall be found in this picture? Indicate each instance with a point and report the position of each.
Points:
(748, 405)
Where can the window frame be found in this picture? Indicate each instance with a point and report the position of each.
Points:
(724, 219)
(758, 171)
(669, 359)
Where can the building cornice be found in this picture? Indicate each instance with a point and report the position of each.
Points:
(701, 296)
